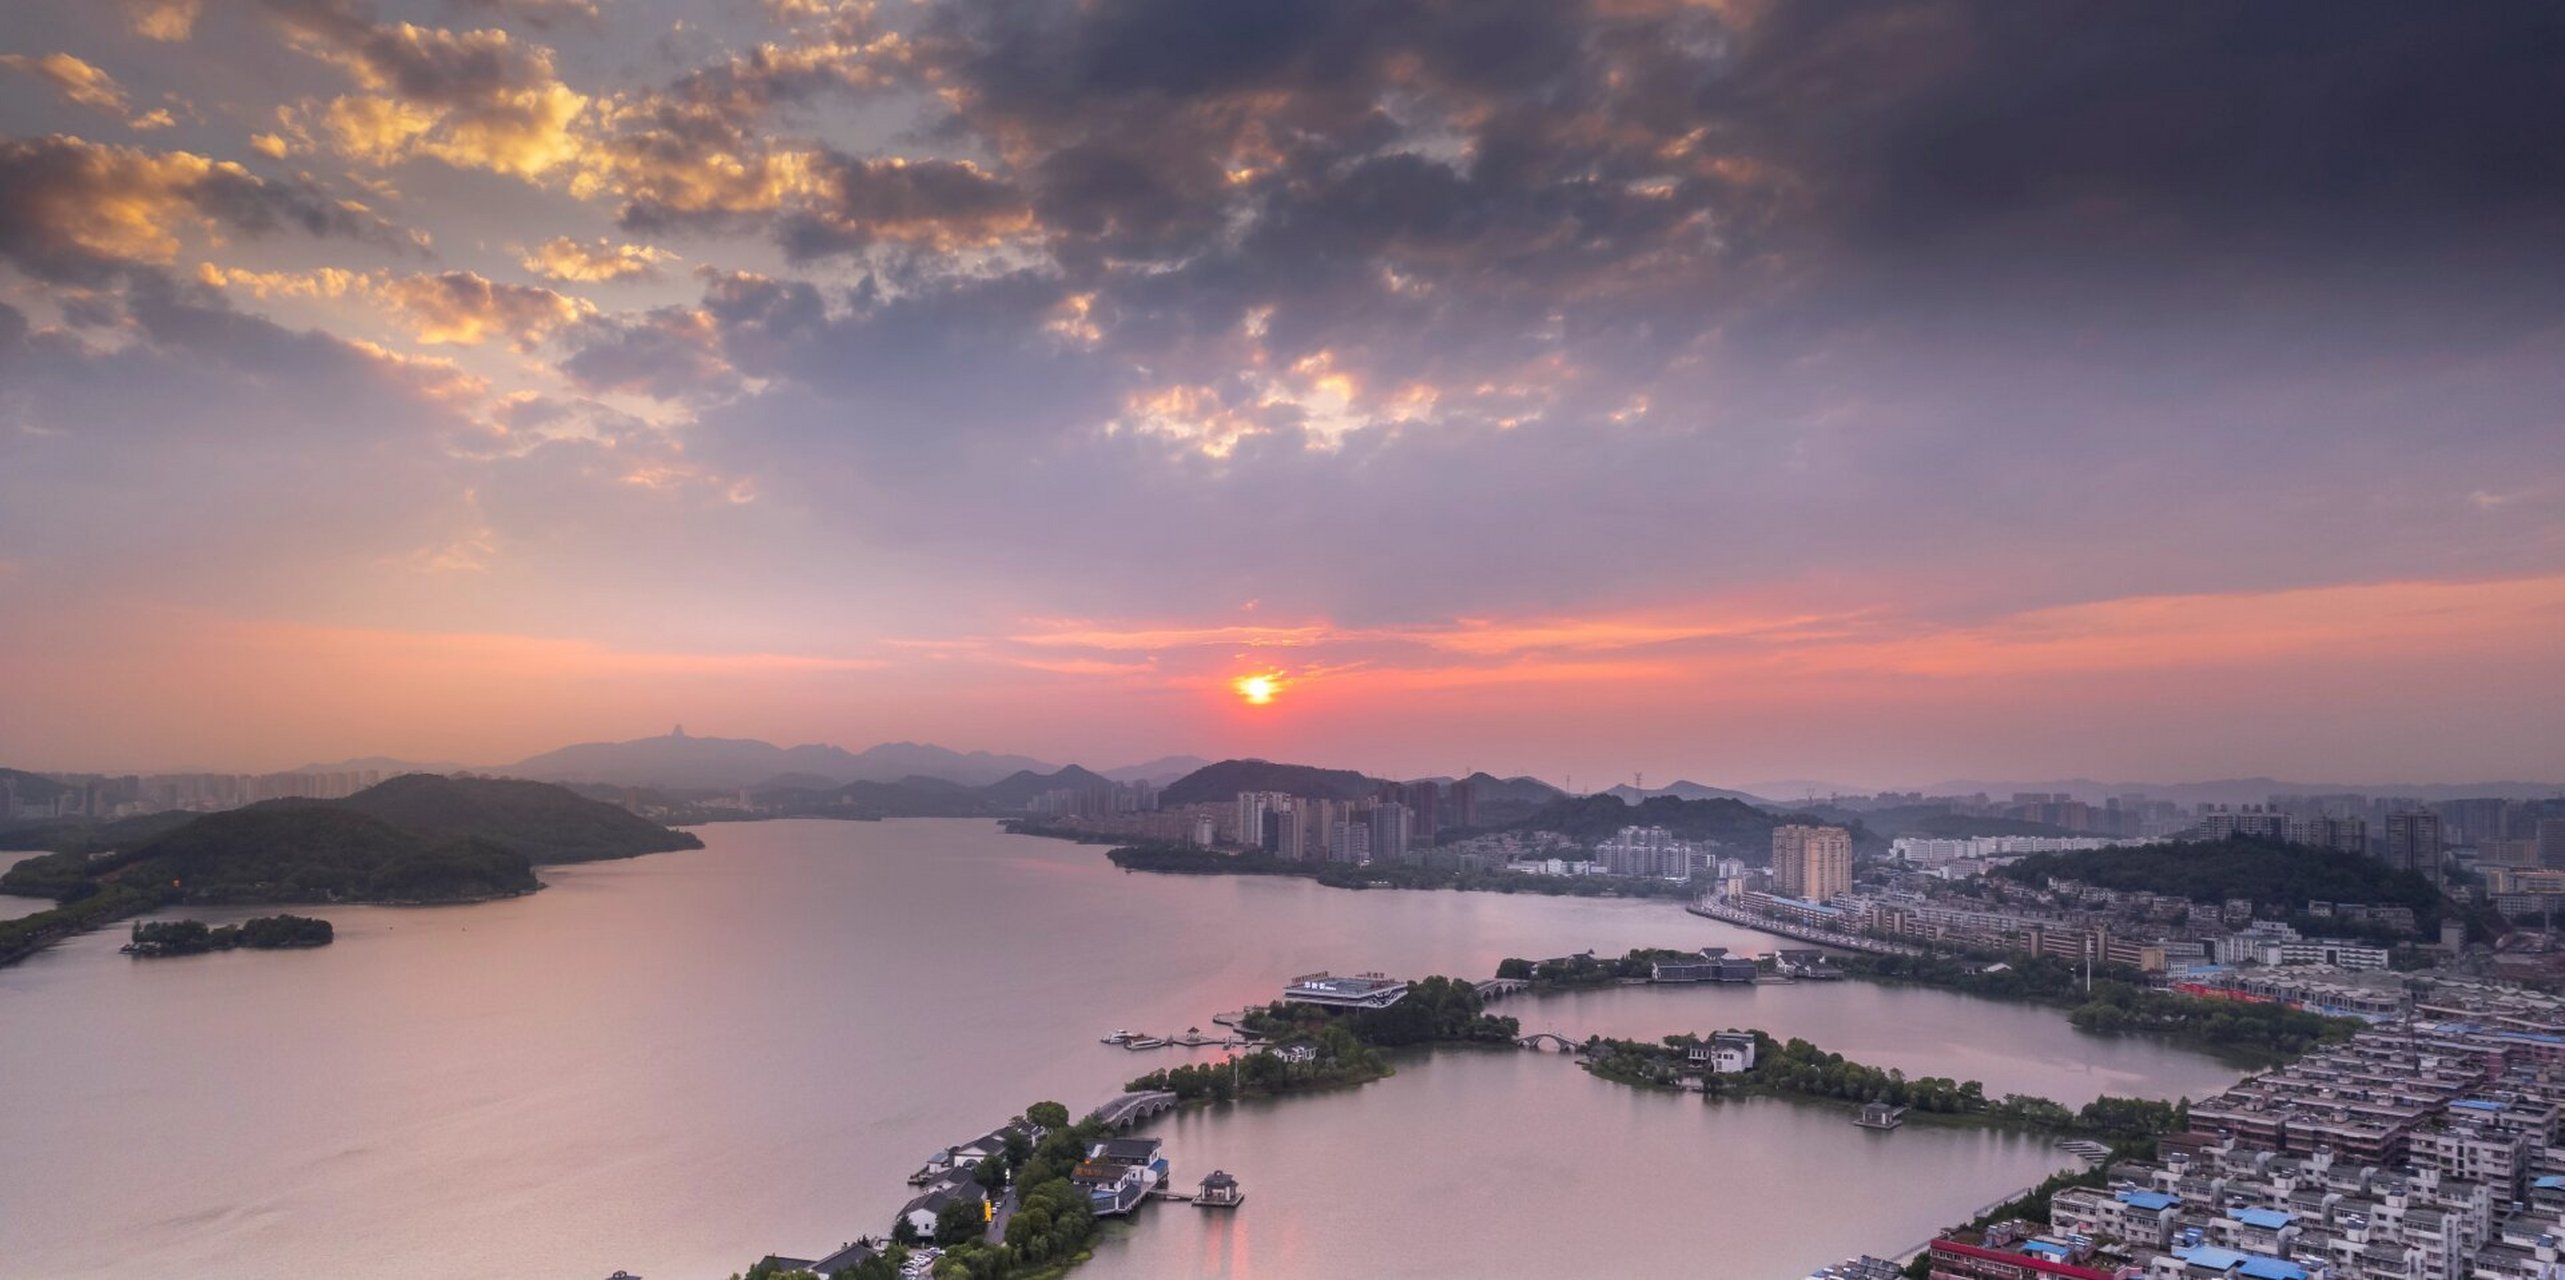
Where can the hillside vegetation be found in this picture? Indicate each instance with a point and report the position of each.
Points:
(289, 851)
(2276, 875)
(539, 821)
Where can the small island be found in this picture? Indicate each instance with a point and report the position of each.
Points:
(195, 937)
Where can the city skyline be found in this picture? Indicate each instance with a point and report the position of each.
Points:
(1554, 389)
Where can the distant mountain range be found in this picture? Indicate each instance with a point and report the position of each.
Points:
(2248, 790)
(1687, 791)
(1158, 772)
(1224, 780)
(681, 759)
(385, 765)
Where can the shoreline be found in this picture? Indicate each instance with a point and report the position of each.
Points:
(2068, 1125)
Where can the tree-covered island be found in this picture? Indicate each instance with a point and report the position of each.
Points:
(1306, 1047)
(195, 937)
(1797, 1069)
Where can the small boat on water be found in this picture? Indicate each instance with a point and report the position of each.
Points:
(1122, 1037)
(1146, 1042)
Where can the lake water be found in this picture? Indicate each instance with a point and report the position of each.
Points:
(679, 1063)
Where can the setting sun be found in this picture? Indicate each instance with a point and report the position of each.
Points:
(1257, 690)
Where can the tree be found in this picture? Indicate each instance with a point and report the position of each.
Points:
(885, 1265)
(1049, 1115)
(962, 1218)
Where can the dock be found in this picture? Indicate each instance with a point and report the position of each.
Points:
(1219, 1191)
(1880, 1116)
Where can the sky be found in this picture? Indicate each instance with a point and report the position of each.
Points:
(1724, 390)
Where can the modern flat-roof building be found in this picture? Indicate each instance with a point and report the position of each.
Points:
(1362, 991)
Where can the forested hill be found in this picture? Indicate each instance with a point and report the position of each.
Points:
(415, 838)
(1223, 781)
(537, 820)
(2281, 876)
(286, 851)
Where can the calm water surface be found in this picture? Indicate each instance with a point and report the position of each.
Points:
(678, 1063)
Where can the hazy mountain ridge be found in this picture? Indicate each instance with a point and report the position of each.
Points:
(1158, 772)
(1688, 790)
(680, 759)
(2249, 790)
(1213, 783)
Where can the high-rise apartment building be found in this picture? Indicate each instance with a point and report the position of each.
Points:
(1425, 810)
(1256, 811)
(2413, 842)
(2474, 821)
(1349, 841)
(1391, 831)
(1287, 832)
(1812, 863)
(1464, 805)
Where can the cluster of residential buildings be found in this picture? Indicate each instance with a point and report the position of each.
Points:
(1396, 825)
(1973, 854)
(2153, 932)
(1095, 802)
(97, 797)
(2426, 1150)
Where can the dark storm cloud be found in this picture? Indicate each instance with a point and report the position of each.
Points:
(2146, 126)
(1755, 279)
(670, 352)
(933, 204)
(424, 64)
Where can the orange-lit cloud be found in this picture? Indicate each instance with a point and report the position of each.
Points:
(75, 207)
(450, 308)
(80, 83)
(473, 99)
(165, 20)
(601, 262)
(462, 308)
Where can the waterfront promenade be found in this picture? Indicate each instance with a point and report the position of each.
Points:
(1730, 913)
